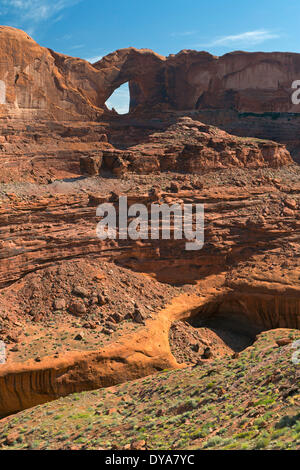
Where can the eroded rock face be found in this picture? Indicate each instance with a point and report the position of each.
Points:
(247, 94)
(142, 68)
(46, 150)
(38, 82)
(247, 82)
(52, 138)
(191, 146)
(90, 165)
(35, 82)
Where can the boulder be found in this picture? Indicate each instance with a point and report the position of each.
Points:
(90, 165)
(77, 308)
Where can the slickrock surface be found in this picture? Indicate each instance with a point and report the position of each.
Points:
(246, 402)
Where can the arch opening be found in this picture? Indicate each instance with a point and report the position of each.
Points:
(119, 100)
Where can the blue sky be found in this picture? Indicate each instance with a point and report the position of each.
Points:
(92, 28)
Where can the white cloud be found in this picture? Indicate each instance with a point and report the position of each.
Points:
(29, 13)
(248, 38)
(77, 46)
(66, 37)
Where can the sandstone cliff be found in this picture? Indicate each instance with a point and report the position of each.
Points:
(192, 147)
(247, 94)
(38, 82)
(247, 82)
(54, 127)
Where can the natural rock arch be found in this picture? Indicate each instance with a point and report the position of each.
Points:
(141, 68)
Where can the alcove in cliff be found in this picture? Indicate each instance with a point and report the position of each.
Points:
(120, 99)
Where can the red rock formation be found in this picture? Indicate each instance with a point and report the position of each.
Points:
(39, 230)
(247, 82)
(46, 150)
(142, 68)
(193, 147)
(145, 352)
(248, 94)
(38, 83)
(250, 259)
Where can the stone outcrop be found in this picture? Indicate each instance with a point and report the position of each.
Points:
(39, 230)
(247, 94)
(246, 82)
(47, 150)
(279, 127)
(142, 68)
(144, 353)
(193, 147)
(39, 83)
(55, 131)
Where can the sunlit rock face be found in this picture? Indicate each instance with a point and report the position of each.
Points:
(37, 83)
(163, 152)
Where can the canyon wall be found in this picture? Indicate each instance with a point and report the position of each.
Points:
(247, 94)
(247, 82)
(38, 82)
(35, 82)
(55, 127)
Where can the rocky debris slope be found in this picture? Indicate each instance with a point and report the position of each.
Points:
(190, 146)
(244, 403)
(76, 305)
(249, 265)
